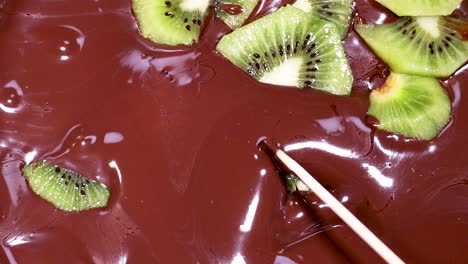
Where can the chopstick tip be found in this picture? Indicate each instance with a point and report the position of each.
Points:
(261, 140)
(265, 145)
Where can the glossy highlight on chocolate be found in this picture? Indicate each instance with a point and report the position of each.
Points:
(172, 132)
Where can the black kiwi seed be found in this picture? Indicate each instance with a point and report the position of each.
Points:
(408, 21)
(431, 48)
(281, 52)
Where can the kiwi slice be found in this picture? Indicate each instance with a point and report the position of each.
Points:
(235, 12)
(290, 48)
(429, 46)
(65, 189)
(294, 184)
(414, 106)
(171, 22)
(421, 7)
(335, 11)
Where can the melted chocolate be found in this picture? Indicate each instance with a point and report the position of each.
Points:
(232, 9)
(172, 131)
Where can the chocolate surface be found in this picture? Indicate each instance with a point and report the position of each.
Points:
(173, 130)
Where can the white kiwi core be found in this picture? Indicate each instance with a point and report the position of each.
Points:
(195, 5)
(287, 73)
(430, 25)
(304, 5)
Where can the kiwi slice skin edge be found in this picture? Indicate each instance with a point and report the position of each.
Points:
(421, 7)
(428, 46)
(410, 105)
(65, 189)
(290, 48)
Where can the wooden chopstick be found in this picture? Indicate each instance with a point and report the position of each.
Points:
(346, 216)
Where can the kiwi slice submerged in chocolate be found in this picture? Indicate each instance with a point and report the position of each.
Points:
(290, 48)
(65, 189)
(414, 106)
(171, 22)
(421, 7)
(235, 12)
(429, 46)
(335, 11)
(294, 184)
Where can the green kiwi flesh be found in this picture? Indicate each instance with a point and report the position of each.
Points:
(335, 11)
(410, 105)
(290, 48)
(241, 10)
(65, 189)
(172, 22)
(294, 184)
(429, 46)
(421, 7)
